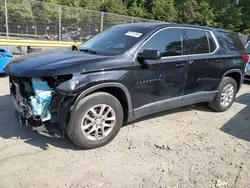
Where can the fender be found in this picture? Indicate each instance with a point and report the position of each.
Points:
(234, 71)
(70, 125)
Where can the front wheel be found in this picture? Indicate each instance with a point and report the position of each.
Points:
(98, 120)
(225, 96)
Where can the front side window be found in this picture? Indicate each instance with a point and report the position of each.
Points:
(167, 41)
(196, 42)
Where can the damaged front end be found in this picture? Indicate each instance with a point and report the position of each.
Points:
(38, 104)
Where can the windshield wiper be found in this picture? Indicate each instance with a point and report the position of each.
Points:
(88, 51)
(74, 48)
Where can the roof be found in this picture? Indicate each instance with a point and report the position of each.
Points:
(162, 25)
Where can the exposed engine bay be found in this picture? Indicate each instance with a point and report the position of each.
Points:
(41, 100)
(37, 102)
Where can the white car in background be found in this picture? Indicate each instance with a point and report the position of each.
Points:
(247, 74)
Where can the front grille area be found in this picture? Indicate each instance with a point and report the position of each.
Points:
(20, 88)
(16, 87)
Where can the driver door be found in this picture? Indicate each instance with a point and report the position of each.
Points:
(159, 84)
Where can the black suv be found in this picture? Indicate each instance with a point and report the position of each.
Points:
(124, 73)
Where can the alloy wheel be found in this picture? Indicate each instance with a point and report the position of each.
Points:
(227, 95)
(98, 122)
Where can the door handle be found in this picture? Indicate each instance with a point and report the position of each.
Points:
(219, 61)
(178, 65)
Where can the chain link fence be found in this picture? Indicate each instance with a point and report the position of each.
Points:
(45, 21)
(28, 19)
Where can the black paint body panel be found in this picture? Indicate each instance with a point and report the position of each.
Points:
(152, 87)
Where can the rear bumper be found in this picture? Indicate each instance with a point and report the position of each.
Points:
(248, 69)
(247, 78)
(247, 73)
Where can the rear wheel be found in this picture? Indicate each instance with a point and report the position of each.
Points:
(225, 96)
(98, 119)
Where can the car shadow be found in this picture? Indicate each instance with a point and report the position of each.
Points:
(3, 75)
(239, 125)
(198, 107)
(11, 129)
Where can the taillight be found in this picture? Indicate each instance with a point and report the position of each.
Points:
(246, 57)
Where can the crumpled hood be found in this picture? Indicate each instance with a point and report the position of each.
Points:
(53, 62)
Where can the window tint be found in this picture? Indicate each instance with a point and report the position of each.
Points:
(167, 41)
(230, 41)
(211, 42)
(196, 42)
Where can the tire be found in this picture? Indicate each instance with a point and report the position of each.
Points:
(87, 141)
(216, 104)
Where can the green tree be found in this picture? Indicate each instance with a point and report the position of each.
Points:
(20, 13)
(114, 6)
(45, 13)
(187, 11)
(137, 10)
(207, 14)
(230, 17)
(91, 5)
(162, 10)
(2, 14)
(217, 13)
(245, 5)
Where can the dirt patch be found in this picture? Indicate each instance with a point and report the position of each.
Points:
(185, 147)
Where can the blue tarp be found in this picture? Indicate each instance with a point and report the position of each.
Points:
(5, 58)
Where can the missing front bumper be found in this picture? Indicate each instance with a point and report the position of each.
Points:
(59, 108)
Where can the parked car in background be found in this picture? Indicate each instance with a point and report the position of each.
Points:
(76, 36)
(126, 72)
(48, 37)
(5, 58)
(247, 73)
(72, 35)
(84, 39)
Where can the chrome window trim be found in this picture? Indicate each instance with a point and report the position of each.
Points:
(209, 45)
(190, 28)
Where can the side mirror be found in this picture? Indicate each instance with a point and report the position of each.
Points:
(150, 54)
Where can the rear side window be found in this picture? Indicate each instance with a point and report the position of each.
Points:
(212, 43)
(230, 41)
(196, 42)
(167, 41)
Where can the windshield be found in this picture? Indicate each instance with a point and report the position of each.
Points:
(114, 41)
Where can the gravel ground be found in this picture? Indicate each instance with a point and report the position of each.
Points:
(187, 147)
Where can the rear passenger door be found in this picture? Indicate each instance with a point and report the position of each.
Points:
(204, 65)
